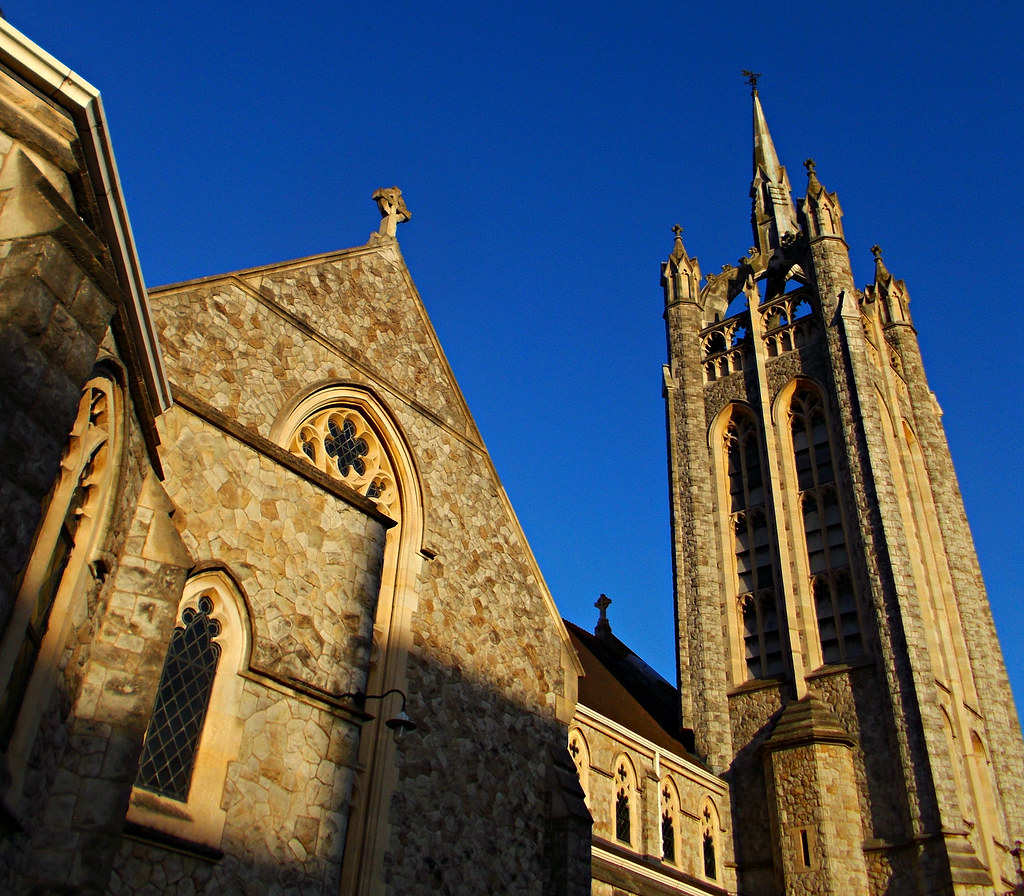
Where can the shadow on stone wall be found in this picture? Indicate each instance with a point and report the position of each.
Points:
(486, 801)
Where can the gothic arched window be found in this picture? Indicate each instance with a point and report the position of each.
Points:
(756, 563)
(55, 583)
(669, 822)
(182, 698)
(341, 442)
(709, 840)
(623, 808)
(195, 728)
(580, 754)
(828, 561)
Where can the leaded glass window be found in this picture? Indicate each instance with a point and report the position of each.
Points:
(622, 820)
(668, 837)
(183, 697)
(835, 601)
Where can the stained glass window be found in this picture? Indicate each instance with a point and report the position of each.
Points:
(183, 697)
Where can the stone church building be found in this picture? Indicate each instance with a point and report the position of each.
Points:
(268, 622)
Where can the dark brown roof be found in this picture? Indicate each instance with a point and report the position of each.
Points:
(621, 686)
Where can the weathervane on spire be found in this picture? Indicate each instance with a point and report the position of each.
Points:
(752, 80)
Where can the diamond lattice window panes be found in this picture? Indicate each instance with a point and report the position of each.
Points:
(183, 696)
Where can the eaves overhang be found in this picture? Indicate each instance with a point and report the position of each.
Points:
(81, 101)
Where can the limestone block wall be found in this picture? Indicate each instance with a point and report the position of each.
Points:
(72, 795)
(691, 789)
(56, 299)
(483, 656)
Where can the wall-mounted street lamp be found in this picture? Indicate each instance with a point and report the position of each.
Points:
(398, 724)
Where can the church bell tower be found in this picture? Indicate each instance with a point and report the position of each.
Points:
(838, 661)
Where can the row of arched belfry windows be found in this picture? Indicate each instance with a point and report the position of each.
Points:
(621, 813)
(820, 539)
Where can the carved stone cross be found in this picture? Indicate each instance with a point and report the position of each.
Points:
(392, 210)
(602, 604)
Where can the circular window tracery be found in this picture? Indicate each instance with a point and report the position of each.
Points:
(340, 442)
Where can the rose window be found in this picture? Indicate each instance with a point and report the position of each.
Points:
(341, 443)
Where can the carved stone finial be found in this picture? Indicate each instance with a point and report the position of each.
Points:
(392, 209)
(751, 78)
(876, 250)
(604, 627)
(809, 165)
(677, 248)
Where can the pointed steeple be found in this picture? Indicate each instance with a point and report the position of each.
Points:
(773, 214)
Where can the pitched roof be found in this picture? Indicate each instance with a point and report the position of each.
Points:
(622, 687)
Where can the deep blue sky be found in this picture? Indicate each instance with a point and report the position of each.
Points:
(545, 151)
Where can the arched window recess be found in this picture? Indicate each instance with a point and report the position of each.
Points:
(823, 526)
(56, 586)
(195, 727)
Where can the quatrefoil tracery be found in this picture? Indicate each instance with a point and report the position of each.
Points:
(340, 443)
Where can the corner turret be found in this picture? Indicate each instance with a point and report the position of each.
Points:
(680, 275)
(890, 294)
(820, 212)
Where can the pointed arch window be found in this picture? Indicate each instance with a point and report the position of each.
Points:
(340, 442)
(709, 840)
(756, 562)
(195, 729)
(580, 754)
(669, 822)
(182, 699)
(623, 805)
(835, 601)
(55, 584)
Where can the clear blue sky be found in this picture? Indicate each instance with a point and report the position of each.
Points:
(545, 151)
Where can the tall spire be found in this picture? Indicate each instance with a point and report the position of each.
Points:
(773, 214)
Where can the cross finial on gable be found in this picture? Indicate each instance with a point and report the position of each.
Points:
(604, 627)
(392, 209)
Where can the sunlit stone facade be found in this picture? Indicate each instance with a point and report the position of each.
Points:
(268, 623)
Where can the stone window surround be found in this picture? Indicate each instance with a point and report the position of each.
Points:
(369, 831)
(632, 791)
(710, 825)
(806, 609)
(581, 759)
(69, 608)
(670, 807)
(718, 447)
(200, 820)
